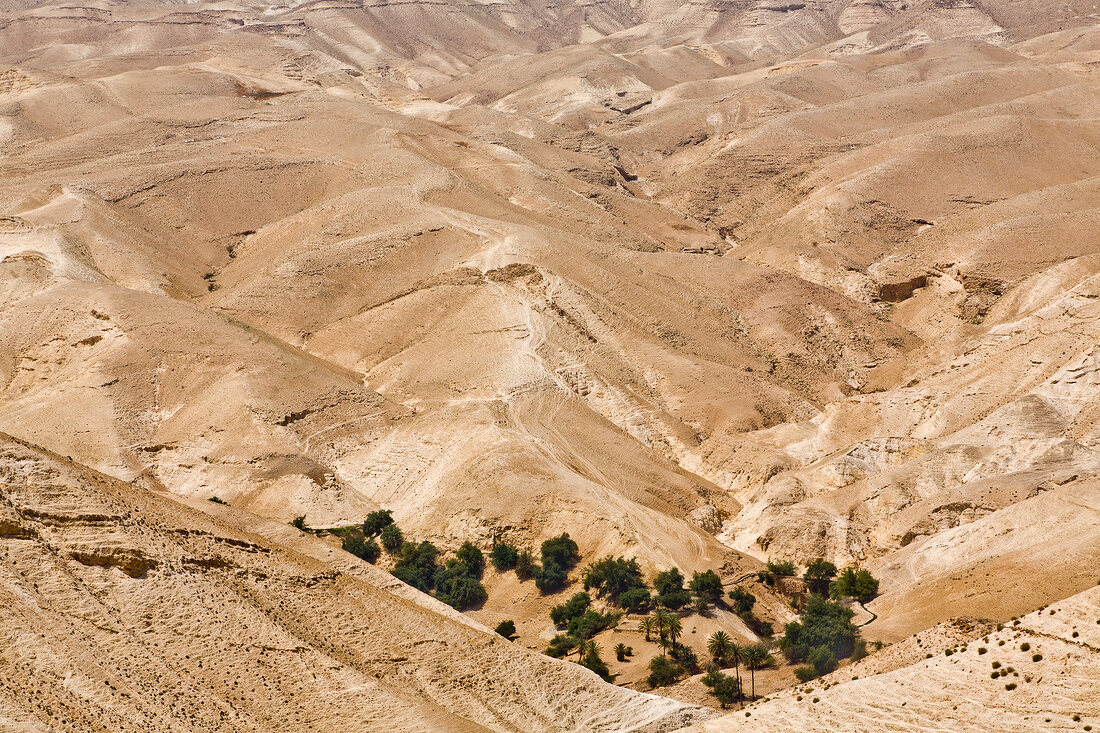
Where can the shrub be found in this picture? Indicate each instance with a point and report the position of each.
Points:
(218, 500)
(1025, 646)
(805, 673)
(685, 656)
(504, 556)
(823, 624)
(470, 556)
(781, 568)
(622, 651)
(566, 612)
(392, 538)
(743, 601)
(706, 587)
(377, 521)
(416, 564)
(982, 650)
(561, 645)
(818, 575)
(669, 587)
(591, 623)
(1010, 686)
(723, 686)
(559, 556)
(662, 671)
(507, 629)
(526, 567)
(299, 522)
(859, 650)
(458, 588)
(362, 547)
(1036, 657)
(858, 584)
(613, 576)
(636, 600)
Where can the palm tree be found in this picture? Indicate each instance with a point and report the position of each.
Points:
(589, 649)
(719, 645)
(674, 628)
(661, 620)
(647, 625)
(620, 652)
(736, 654)
(755, 657)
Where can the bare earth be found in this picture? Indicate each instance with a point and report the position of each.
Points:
(699, 283)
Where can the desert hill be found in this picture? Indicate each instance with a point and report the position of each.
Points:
(704, 284)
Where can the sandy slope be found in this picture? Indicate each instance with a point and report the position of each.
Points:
(127, 611)
(1056, 691)
(700, 283)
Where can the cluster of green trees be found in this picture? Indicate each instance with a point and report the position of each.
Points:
(725, 652)
(741, 603)
(559, 555)
(456, 581)
(825, 634)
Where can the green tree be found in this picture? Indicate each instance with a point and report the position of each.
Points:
(469, 555)
(636, 600)
(392, 538)
(662, 671)
(504, 556)
(561, 645)
(706, 587)
(526, 567)
(823, 624)
(854, 583)
(755, 657)
(456, 587)
(564, 613)
(818, 575)
(559, 556)
(507, 629)
(590, 623)
(720, 645)
(725, 688)
(613, 576)
(416, 564)
(669, 586)
(377, 521)
(743, 601)
(362, 547)
(781, 569)
(590, 658)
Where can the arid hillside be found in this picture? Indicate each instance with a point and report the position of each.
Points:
(702, 284)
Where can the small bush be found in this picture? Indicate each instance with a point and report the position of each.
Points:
(805, 673)
(982, 650)
(996, 665)
(507, 629)
(504, 556)
(1036, 657)
(218, 500)
(526, 567)
(1010, 686)
(561, 645)
(299, 522)
(591, 623)
(1025, 647)
(781, 568)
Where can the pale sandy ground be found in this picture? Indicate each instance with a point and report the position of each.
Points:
(699, 283)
